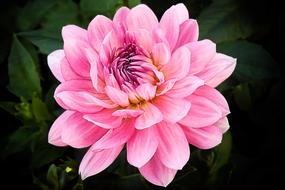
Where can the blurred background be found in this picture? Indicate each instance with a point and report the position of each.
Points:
(251, 155)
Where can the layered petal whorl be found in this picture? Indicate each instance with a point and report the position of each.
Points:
(143, 83)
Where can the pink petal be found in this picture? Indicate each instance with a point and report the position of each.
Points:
(117, 96)
(104, 119)
(202, 52)
(205, 137)
(160, 54)
(80, 94)
(85, 102)
(159, 37)
(141, 16)
(121, 15)
(151, 116)
(172, 109)
(110, 80)
(169, 24)
(67, 72)
(173, 149)
(76, 86)
(75, 40)
(188, 32)
(179, 65)
(95, 162)
(142, 146)
(111, 42)
(146, 91)
(54, 135)
(80, 133)
(54, 63)
(157, 173)
(132, 94)
(74, 52)
(165, 87)
(185, 87)
(74, 32)
(159, 76)
(223, 124)
(214, 96)
(182, 12)
(97, 30)
(126, 113)
(104, 55)
(143, 39)
(218, 70)
(116, 136)
(203, 112)
(93, 59)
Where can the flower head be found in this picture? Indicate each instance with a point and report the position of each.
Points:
(143, 83)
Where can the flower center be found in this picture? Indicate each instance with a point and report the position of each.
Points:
(131, 66)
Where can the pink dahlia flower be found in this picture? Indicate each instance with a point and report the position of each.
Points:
(143, 83)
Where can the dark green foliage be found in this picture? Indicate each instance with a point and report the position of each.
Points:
(46, 41)
(224, 21)
(254, 63)
(23, 76)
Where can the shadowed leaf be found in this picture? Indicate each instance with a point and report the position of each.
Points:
(31, 15)
(222, 21)
(253, 62)
(46, 41)
(24, 79)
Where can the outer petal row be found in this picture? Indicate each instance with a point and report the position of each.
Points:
(60, 67)
(71, 129)
(79, 95)
(75, 41)
(207, 137)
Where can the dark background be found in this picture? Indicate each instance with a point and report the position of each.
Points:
(252, 153)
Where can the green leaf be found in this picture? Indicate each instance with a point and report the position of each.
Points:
(40, 184)
(253, 62)
(21, 139)
(4, 46)
(64, 12)
(32, 51)
(49, 98)
(30, 16)
(24, 112)
(70, 167)
(228, 84)
(8, 107)
(222, 21)
(242, 96)
(58, 178)
(133, 3)
(222, 152)
(121, 167)
(222, 155)
(78, 186)
(24, 79)
(93, 7)
(52, 177)
(45, 153)
(46, 41)
(40, 110)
